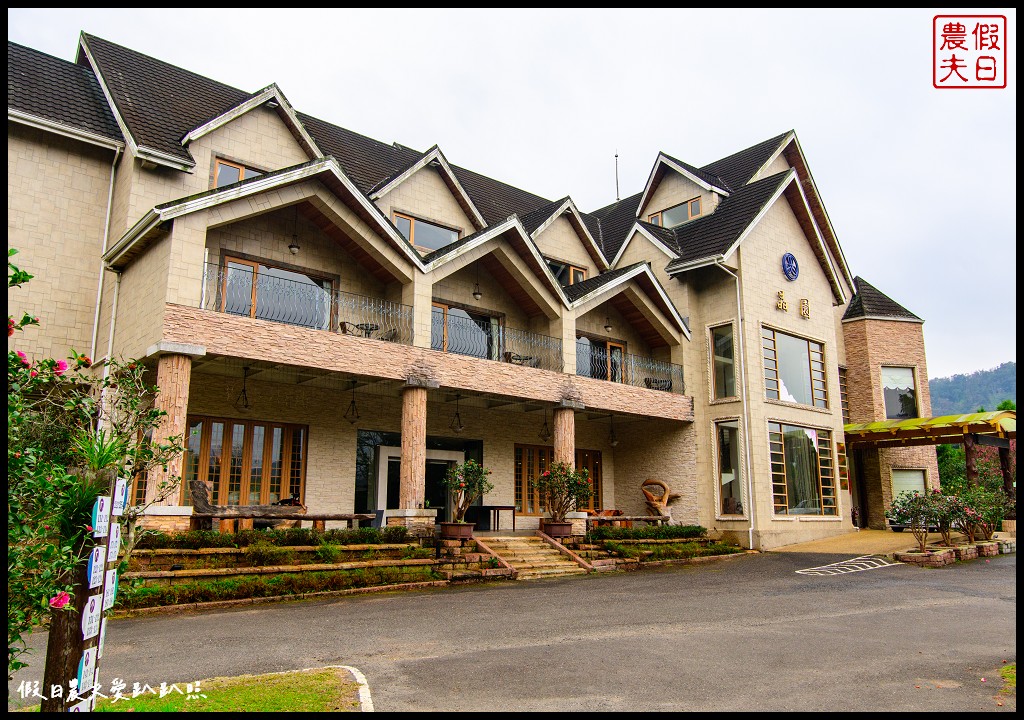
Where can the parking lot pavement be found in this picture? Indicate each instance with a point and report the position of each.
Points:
(862, 542)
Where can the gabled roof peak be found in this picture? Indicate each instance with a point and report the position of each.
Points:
(870, 302)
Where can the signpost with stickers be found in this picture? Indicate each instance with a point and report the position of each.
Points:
(75, 645)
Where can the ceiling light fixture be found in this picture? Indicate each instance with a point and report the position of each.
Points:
(352, 414)
(545, 432)
(242, 403)
(476, 286)
(456, 425)
(607, 324)
(293, 247)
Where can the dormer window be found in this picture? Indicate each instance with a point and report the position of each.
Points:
(677, 214)
(567, 274)
(225, 173)
(424, 235)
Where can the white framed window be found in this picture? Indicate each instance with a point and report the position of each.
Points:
(723, 367)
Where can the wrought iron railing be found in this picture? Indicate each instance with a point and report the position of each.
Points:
(595, 361)
(462, 333)
(309, 304)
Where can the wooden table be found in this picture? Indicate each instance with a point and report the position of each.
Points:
(495, 511)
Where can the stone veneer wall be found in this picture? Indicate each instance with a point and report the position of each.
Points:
(57, 191)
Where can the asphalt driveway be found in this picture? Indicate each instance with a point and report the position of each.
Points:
(749, 633)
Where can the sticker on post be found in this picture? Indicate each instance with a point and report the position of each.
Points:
(94, 571)
(84, 706)
(120, 499)
(91, 617)
(101, 516)
(103, 636)
(114, 541)
(87, 670)
(110, 589)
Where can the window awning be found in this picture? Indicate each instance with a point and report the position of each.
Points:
(931, 431)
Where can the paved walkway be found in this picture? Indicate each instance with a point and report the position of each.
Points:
(862, 542)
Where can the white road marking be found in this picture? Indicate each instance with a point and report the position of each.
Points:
(857, 564)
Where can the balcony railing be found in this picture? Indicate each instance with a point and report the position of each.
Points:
(595, 361)
(309, 303)
(458, 332)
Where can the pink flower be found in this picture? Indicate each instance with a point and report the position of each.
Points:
(23, 357)
(62, 367)
(59, 600)
(10, 327)
(89, 528)
(32, 373)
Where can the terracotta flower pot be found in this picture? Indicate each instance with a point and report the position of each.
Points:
(557, 530)
(456, 531)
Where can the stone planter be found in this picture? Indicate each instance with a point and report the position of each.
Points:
(1007, 546)
(456, 531)
(579, 522)
(938, 558)
(987, 549)
(557, 530)
(965, 552)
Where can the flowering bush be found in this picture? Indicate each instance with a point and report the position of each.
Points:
(917, 511)
(57, 464)
(466, 483)
(985, 509)
(563, 488)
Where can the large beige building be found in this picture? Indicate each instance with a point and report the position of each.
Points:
(337, 318)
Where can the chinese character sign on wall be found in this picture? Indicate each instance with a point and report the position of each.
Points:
(969, 51)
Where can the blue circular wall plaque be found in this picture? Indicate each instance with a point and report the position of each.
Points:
(790, 267)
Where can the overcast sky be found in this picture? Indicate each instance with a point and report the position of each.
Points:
(920, 183)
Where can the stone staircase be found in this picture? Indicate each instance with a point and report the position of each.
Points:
(533, 558)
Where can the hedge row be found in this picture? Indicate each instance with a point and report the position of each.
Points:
(248, 586)
(649, 553)
(646, 532)
(197, 539)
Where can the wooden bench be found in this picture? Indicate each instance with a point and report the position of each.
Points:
(241, 517)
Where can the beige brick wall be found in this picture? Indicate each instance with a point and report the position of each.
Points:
(870, 345)
(674, 189)
(457, 288)
(426, 196)
(594, 321)
(239, 337)
(331, 459)
(141, 301)
(777, 165)
(559, 241)
(57, 191)
(258, 139)
(267, 237)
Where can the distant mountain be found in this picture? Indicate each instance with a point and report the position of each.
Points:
(966, 393)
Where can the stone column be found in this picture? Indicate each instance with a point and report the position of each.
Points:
(172, 377)
(565, 435)
(414, 447)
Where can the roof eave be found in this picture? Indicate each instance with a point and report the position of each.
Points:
(40, 123)
(581, 229)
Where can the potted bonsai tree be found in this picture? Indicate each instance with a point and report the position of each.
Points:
(466, 483)
(562, 488)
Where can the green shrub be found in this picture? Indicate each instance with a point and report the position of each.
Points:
(263, 553)
(648, 532)
(257, 586)
(669, 552)
(328, 553)
(196, 539)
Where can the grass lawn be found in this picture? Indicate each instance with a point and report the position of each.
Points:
(322, 690)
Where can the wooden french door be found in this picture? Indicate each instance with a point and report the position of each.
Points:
(533, 460)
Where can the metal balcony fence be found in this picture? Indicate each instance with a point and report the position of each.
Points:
(308, 302)
(595, 361)
(463, 333)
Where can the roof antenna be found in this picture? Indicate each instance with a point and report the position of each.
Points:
(617, 198)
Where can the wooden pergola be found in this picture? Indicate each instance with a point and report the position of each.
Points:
(995, 429)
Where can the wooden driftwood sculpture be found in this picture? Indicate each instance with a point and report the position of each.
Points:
(657, 503)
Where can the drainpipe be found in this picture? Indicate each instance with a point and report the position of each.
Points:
(106, 234)
(751, 508)
(110, 345)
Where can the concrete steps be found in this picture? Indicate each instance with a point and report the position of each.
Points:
(533, 558)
